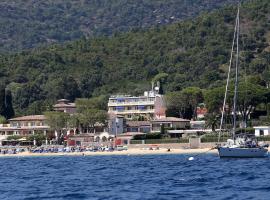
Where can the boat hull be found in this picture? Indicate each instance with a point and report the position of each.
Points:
(226, 152)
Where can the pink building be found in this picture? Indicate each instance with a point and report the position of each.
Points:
(63, 105)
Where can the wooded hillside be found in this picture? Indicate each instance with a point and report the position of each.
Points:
(192, 53)
(26, 24)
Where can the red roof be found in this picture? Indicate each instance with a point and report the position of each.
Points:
(29, 118)
(65, 105)
(170, 119)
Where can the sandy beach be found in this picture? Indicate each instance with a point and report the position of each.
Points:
(125, 152)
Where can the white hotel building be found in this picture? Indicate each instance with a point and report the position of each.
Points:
(149, 106)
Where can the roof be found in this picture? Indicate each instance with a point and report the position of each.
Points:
(261, 127)
(170, 119)
(63, 100)
(82, 135)
(138, 123)
(29, 118)
(64, 105)
(129, 134)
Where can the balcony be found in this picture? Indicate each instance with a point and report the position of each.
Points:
(132, 111)
(132, 103)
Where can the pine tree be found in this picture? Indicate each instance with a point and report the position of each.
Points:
(9, 112)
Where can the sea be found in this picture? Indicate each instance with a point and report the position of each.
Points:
(134, 177)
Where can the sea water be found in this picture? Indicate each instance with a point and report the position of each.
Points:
(134, 177)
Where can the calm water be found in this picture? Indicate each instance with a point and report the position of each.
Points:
(134, 177)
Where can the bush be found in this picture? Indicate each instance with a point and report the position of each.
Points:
(147, 136)
(263, 138)
(250, 131)
(214, 139)
(160, 141)
(14, 137)
(38, 137)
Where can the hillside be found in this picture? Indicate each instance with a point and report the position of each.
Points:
(26, 24)
(193, 53)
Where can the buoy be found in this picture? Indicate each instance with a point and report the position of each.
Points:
(191, 158)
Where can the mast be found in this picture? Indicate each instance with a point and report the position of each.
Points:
(236, 74)
(227, 82)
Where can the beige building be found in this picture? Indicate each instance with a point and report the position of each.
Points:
(149, 106)
(25, 125)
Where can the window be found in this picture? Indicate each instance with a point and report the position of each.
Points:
(261, 133)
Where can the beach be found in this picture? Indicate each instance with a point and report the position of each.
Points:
(134, 151)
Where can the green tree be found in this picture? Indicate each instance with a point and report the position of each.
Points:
(99, 103)
(38, 137)
(90, 118)
(9, 112)
(213, 98)
(74, 122)
(6, 108)
(212, 121)
(2, 119)
(266, 77)
(184, 103)
(58, 122)
(161, 77)
(250, 95)
(2, 99)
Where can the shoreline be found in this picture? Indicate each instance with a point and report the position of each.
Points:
(124, 152)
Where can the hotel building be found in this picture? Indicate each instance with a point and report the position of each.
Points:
(149, 106)
(25, 125)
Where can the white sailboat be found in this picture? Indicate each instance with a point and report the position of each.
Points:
(238, 147)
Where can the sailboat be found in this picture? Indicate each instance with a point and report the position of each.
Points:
(238, 147)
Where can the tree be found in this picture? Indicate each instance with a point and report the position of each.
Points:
(266, 77)
(213, 98)
(58, 122)
(62, 87)
(73, 121)
(194, 96)
(6, 108)
(99, 103)
(9, 112)
(38, 137)
(92, 117)
(161, 77)
(212, 120)
(184, 103)
(2, 99)
(250, 95)
(2, 119)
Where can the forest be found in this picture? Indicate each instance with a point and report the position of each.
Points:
(192, 53)
(25, 24)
